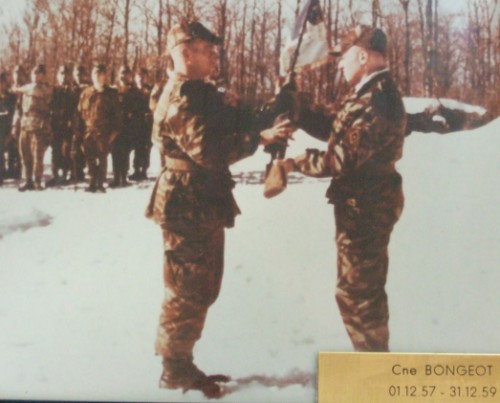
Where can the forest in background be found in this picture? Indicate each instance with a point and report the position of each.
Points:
(432, 51)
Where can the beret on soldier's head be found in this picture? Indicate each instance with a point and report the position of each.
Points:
(99, 67)
(40, 69)
(189, 31)
(365, 36)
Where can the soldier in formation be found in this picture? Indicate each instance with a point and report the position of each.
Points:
(128, 97)
(63, 109)
(78, 126)
(36, 132)
(100, 110)
(364, 140)
(7, 107)
(141, 144)
(200, 135)
(19, 78)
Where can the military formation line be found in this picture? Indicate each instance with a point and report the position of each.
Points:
(82, 121)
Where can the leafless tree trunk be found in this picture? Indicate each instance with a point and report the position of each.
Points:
(405, 4)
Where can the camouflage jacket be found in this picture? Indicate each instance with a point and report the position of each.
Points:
(36, 107)
(78, 123)
(192, 123)
(7, 108)
(100, 110)
(364, 137)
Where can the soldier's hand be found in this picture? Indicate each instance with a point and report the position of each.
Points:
(287, 164)
(288, 99)
(280, 133)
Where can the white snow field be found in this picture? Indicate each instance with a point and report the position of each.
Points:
(81, 280)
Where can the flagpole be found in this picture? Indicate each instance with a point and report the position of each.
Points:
(299, 42)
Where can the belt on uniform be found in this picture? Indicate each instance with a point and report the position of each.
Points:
(180, 165)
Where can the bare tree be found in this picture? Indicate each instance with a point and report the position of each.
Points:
(405, 4)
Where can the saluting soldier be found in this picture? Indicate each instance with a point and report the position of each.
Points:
(7, 108)
(200, 135)
(364, 140)
(142, 139)
(100, 110)
(19, 78)
(78, 125)
(129, 99)
(63, 110)
(36, 131)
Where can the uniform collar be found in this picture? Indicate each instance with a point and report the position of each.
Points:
(359, 86)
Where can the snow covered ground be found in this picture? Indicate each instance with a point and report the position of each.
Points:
(82, 283)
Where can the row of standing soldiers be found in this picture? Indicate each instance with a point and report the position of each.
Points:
(82, 122)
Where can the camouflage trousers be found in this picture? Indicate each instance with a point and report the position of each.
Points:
(96, 151)
(193, 268)
(32, 147)
(362, 236)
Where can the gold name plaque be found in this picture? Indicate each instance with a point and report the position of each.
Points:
(398, 378)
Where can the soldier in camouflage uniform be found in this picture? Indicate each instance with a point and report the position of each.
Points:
(365, 139)
(141, 144)
(200, 135)
(35, 127)
(100, 110)
(156, 92)
(63, 110)
(78, 126)
(20, 78)
(7, 107)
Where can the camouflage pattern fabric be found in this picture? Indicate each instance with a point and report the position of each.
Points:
(101, 113)
(35, 128)
(192, 278)
(78, 133)
(100, 110)
(32, 147)
(193, 203)
(365, 140)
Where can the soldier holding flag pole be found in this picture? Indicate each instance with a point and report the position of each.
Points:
(364, 140)
(200, 135)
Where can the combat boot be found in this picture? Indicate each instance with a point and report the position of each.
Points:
(28, 185)
(136, 176)
(183, 374)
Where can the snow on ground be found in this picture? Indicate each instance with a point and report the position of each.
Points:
(82, 284)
